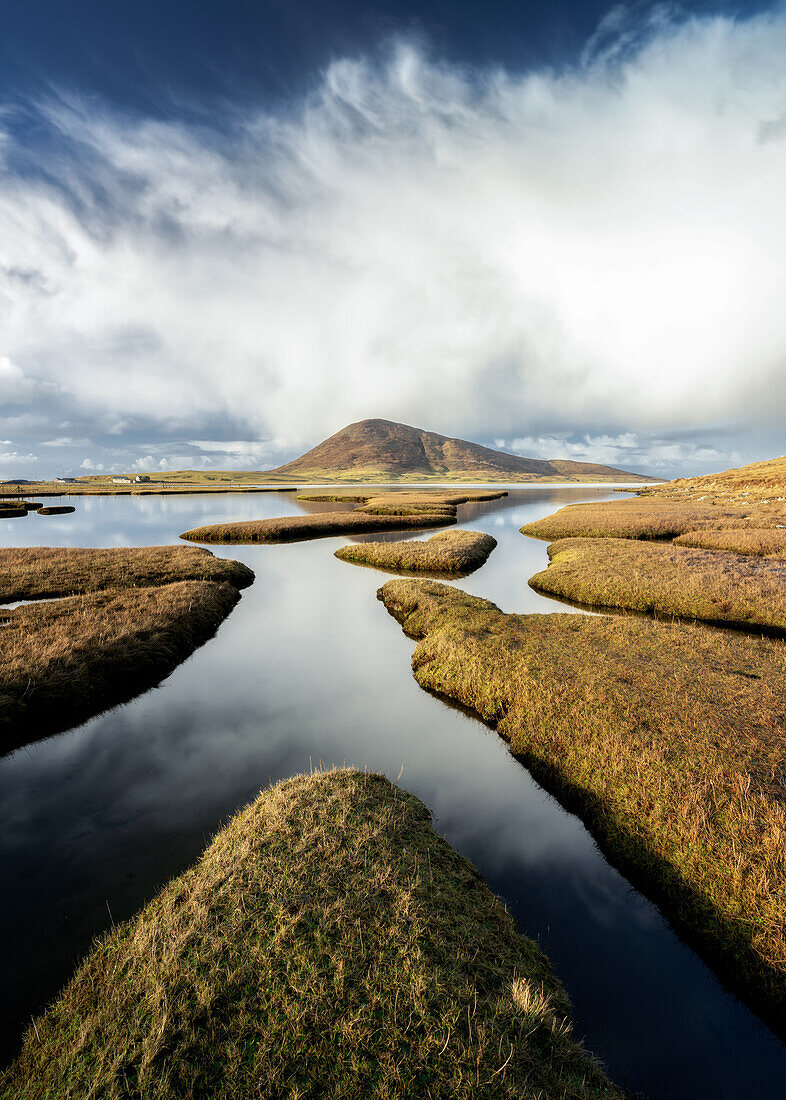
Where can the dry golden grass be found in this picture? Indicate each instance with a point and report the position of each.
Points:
(667, 739)
(454, 553)
(129, 616)
(386, 512)
(63, 661)
(42, 572)
(107, 488)
(759, 481)
(648, 518)
(328, 944)
(319, 525)
(712, 585)
(766, 542)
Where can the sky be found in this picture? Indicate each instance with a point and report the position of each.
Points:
(227, 230)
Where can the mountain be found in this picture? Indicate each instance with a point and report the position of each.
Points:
(764, 482)
(381, 450)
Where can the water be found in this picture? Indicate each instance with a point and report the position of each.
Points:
(310, 668)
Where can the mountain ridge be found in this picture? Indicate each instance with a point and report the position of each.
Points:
(388, 450)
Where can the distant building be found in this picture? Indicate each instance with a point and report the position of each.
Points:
(141, 477)
(121, 480)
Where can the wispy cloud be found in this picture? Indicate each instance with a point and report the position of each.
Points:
(546, 255)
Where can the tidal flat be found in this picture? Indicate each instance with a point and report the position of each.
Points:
(310, 667)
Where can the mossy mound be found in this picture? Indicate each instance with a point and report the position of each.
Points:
(328, 944)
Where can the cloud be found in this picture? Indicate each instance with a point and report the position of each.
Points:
(627, 451)
(594, 251)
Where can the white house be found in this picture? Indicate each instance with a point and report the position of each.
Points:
(121, 480)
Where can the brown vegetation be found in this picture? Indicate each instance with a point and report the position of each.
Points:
(60, 510)
(385, 512)
(453, 553)
(763, 482)
(320, 525)
(138, 613)
(647, 518)
(42, 572)
(712, 585)
(328, 944)
(667, 739)
(90, 486)
(63, 661)
(765, 542)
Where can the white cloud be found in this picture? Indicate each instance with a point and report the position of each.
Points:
(626, 450)
(598, 250)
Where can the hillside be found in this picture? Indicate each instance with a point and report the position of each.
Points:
(764, 482)
(386, 451)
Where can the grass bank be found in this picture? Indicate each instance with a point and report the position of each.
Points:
(319, 525)
(647, 518)
(43, 572)
(763, 482)
(667, 739)
(385, 512)
(105, 487)
(328, 944)
(115, 623)
(712, 585)
(65, 661)
(765, 542)
(449, 553)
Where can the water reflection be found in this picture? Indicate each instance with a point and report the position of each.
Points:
(310, 668)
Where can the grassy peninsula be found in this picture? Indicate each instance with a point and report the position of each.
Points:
(648, 518)
(328, 943)
(44, 572)
(114, 623)
(715, 586)
(384, 512)
(667, 739)
(449, 553)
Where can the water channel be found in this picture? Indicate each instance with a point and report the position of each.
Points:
(310, 668)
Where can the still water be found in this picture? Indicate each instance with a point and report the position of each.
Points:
(309, 668)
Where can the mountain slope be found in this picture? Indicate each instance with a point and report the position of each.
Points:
(759, 481)
(389, 451)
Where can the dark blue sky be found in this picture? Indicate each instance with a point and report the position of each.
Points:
(169, 55)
